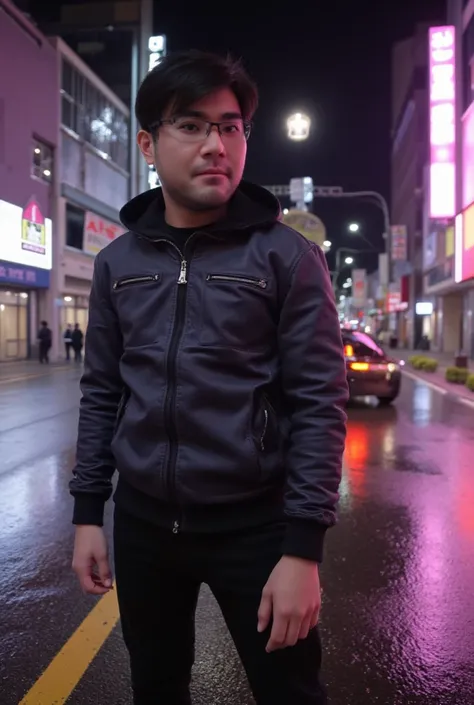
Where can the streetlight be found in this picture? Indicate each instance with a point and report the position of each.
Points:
(298, 126)
(354, 227)
(327, 243)
(349, 260)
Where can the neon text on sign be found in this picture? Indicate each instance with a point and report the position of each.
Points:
(442, 122)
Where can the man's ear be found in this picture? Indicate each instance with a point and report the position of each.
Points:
(145, 143)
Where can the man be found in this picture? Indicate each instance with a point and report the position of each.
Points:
(215, 383)
(77, 338)
(68, 341)
(45, 340)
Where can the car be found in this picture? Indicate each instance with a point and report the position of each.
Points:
(370, 371)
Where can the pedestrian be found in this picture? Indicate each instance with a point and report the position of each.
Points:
(68, 341)
(45, 340)
(215, 384)
(77, 338)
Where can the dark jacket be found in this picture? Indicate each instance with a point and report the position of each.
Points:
(77, 338)
(214, 379)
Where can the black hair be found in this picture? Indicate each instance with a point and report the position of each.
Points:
(184, 78)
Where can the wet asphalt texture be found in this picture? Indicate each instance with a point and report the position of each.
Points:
(398, 605)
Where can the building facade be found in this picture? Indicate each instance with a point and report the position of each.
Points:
(93, 182)
(449, 179)
(64, 175)
(29, 129)
(410, 156)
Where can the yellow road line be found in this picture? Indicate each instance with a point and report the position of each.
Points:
(67, 668)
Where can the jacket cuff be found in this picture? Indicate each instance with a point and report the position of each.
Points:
(88, 510)
(304, 539)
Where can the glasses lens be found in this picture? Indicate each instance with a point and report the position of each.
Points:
(192, 129)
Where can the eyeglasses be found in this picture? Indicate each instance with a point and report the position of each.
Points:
(195, 129)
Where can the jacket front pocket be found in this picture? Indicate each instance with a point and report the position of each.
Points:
(141, 302)
(235, 311)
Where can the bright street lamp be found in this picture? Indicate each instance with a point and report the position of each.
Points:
(298, 126)
(349, 260)
(354, 227)
(327, 243)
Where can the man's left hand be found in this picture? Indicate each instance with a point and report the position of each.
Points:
(292, 596)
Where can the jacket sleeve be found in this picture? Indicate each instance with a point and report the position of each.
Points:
(101, 387)
(316, 392)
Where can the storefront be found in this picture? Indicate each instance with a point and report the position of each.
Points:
(86, 234)
(74, 310)
(25, 264)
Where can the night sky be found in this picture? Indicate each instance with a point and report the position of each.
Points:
(329, 59)
(332, 62)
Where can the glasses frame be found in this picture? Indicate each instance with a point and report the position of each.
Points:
(210, 124)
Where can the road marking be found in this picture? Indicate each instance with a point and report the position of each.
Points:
(441, 390)
(467, 402)
(433, 385)
(67, 668)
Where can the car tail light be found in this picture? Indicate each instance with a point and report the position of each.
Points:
(360, 366)
(348, 351)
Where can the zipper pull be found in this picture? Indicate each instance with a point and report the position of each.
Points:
(182, 272)
(176, 527)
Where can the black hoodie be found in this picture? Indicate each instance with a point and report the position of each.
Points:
(214, 377)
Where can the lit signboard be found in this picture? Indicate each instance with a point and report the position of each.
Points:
(157, 50)
(442, 122)
(464, 251)
(468, 157)
(25, 235)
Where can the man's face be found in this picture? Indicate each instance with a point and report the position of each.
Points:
(200, 172)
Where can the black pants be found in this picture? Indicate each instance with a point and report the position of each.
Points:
(44, 352)
(77, 354)
(158, 580)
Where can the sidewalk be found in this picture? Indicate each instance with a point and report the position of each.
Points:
(28, 369)
(437, 378)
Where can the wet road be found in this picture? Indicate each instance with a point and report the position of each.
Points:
(398, 614)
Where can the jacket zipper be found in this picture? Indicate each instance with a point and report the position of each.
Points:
(260, 283)
(171, 375)
(136, 280)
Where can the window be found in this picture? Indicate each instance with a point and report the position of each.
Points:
(88, 113)
(42, 161)
(74, 226)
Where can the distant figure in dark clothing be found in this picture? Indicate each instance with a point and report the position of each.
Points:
(68, 341)
(77, 337)
(45, 338)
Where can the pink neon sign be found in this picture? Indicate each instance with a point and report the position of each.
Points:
(442, 122)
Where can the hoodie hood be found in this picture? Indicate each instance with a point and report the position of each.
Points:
(251, 206)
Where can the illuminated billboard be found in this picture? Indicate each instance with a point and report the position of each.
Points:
(464, 251)
(442, 122)
(25, 235)
(468, 158)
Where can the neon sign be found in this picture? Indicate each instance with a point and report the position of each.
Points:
(442, 122)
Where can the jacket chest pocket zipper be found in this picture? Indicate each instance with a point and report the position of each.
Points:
(129, 281)
(252, 281)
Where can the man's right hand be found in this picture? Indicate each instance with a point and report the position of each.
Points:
(90, 561)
